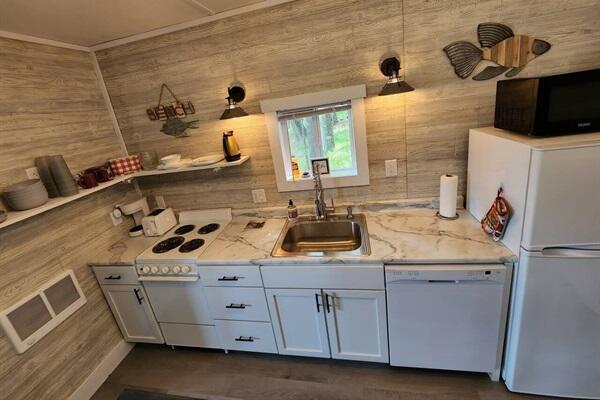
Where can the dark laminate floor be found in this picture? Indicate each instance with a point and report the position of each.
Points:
(213, 375)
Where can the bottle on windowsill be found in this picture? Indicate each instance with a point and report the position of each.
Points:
(295, 168)
(292, 211)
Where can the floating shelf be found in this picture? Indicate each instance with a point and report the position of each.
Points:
(219, 165)
(18, 216)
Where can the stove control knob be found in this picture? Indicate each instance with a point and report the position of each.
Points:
(154, 270)
(146, 269)
(185, 269)
(165, 269)
(176, 269)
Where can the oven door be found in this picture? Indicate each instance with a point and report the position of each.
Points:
(178, 302)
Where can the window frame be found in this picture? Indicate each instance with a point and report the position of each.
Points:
(278, 139)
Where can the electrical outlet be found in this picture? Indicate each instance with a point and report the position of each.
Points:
(32, 173)
(391, 168)
(160, 201)
(259, 196)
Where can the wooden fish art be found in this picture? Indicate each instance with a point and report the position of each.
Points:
(499, 45)
(177, 128)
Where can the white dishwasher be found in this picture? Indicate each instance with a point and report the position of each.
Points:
(446, 316)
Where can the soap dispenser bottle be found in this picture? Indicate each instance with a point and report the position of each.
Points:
(292, 211)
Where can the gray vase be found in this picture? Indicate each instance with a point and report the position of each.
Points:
(62, 176)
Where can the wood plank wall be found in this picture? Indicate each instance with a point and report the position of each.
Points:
(310, 45)
(50, 103)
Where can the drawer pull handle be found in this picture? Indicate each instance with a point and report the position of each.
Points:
(229, 278)
(245, 339)
(238, 306)
(113, 277)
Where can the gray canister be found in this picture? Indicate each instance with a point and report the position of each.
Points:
(62, 176)
(43, 168)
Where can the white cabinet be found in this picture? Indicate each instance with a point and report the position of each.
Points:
(132, 312)
(357, 325)
(343, 324)
(299, 323)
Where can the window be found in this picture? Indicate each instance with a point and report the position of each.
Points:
(319, 125)
(320, 132)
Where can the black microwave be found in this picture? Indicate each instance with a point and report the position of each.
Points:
(549, 106)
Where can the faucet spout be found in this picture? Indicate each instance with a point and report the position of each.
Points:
(321, 209)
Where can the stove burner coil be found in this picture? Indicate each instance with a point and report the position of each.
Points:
(208, 229)
(183, 229)
(191, 245)
(168, 244)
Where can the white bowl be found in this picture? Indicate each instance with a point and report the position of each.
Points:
(170, 159)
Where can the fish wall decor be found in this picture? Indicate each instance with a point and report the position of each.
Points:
(498, 44)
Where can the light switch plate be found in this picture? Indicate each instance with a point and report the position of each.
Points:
(160, 201)
(391, 168)
(259, 196)
(32, 173)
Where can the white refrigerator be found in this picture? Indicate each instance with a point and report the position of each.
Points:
(553, 186)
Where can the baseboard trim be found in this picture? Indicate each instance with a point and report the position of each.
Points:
(93, 382)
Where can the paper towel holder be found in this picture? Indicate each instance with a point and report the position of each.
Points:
(440, 216)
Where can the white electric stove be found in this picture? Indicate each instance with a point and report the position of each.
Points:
(173, 257)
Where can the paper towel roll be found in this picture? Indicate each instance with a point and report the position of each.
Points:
(448, 191)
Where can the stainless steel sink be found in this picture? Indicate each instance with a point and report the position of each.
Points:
(336, 235)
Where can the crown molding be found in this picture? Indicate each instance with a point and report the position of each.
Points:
(189, 24)
(47, 42)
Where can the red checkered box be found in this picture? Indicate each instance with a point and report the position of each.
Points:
(125, 165)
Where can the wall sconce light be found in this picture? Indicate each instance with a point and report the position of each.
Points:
(236, 94)
(390, 67)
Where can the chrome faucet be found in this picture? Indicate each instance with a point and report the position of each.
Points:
(321, 209)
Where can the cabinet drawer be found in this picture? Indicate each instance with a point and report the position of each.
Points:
(191, 335)
(245, 304)
(116, 275)
(235, 275)
(247, 336)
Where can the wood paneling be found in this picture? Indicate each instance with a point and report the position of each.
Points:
(310, 45)
(50, 103)
(290, 49)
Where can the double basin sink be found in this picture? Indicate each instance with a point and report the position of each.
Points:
(335, 235)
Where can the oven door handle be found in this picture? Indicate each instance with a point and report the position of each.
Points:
(168, 278)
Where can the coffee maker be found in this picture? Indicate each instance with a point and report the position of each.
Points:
(230, 147)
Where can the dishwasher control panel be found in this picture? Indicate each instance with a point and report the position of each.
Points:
(445, 273)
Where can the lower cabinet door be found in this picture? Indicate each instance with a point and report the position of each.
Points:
(134, 316)
(299, 321)
(357, 324)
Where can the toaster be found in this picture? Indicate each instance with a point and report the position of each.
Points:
(159, 221)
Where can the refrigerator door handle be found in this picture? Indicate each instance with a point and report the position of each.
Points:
(571, 252)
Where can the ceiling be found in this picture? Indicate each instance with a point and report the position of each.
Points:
(91, 22)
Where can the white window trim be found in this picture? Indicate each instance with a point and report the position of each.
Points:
(356, 96)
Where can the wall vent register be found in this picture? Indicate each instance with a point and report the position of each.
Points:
(27, 321)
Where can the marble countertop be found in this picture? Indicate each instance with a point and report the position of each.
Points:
(397, 236)
(405, 236)
(123, 251)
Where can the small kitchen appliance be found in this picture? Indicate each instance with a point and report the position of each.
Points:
(550, 105)
(159, 221)
(230, 147)
(138, 210)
